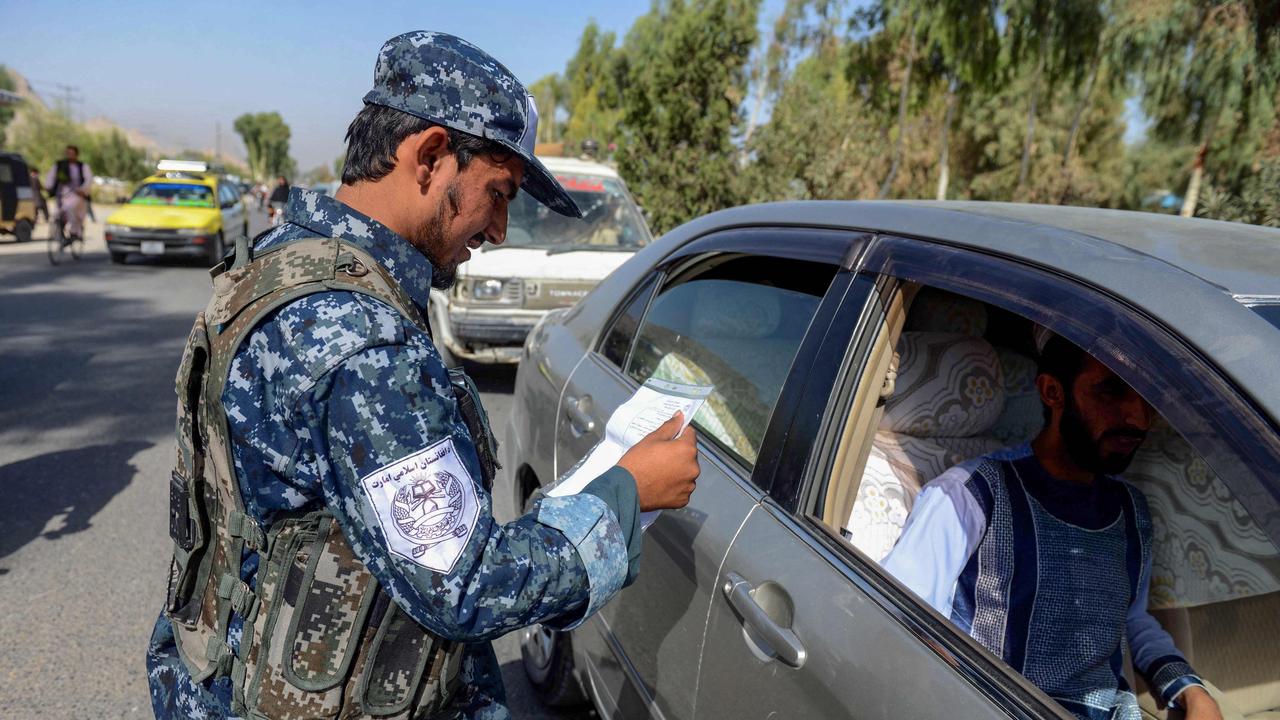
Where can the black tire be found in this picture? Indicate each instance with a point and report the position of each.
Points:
(118, 257)
(55, 246)
(547, 656)
(22, 230)
(217, 249)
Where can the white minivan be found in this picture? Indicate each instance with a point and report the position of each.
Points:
(548, 261)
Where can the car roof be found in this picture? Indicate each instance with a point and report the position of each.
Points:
(578, 165)
(1191, 275)
(1241, 259)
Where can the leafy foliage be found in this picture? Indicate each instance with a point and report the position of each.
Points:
(266, 137)
(684, 70)
(993, 100)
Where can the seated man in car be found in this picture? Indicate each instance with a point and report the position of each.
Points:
(1043, 554)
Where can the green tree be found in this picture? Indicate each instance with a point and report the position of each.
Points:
(113, 156)
(266, 137)
(1056, 40)
(550, 95)
(591, 89)
(41, 136)
(1209, 77)
(685, 81)
(6, 111)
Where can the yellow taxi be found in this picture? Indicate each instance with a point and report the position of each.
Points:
(181, 210)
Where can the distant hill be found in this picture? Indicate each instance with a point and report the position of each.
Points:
(136, 137)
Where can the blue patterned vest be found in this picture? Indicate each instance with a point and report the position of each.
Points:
(1051, 596)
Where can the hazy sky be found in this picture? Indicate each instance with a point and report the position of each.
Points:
(177, 70)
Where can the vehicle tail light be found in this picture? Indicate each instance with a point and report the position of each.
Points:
(198, 240)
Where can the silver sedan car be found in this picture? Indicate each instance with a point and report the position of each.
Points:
(857, 350)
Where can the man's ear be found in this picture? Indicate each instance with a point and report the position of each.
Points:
(424, 151)
(1052, 393)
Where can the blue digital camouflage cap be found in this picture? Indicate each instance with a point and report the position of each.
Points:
(450, 82)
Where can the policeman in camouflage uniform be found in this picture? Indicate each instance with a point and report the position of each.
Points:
(335, 552)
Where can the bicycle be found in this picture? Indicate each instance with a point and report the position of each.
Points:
(59, 246)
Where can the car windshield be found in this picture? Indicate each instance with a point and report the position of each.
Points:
(610, 219)
(178, 194)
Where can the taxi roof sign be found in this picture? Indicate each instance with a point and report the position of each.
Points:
(191, 166)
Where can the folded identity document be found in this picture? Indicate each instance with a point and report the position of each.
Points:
(653, 404)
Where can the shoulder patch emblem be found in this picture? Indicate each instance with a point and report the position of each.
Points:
(426, 505)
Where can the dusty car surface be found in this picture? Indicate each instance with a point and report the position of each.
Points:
(858, 350)
(547, 261)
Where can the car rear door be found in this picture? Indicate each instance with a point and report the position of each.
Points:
(725, 311)
(232, 213)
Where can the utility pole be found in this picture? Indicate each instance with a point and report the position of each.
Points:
(68, 95)
(217, 141)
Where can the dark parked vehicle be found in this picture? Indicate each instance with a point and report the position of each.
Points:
(844, 340)
(17, 198)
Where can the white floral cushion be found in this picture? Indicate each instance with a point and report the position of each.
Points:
(1206, 547)
(948, 385)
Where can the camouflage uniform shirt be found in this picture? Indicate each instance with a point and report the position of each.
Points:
(336, 385)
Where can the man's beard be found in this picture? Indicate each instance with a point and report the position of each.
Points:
(431, 240)
(1085, 451)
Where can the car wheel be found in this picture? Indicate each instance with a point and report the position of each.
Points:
(118, 257)
(547, 656)
(22, 230)
(216, 250)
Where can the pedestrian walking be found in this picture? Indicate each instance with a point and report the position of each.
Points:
(37, 189)
(335, 552)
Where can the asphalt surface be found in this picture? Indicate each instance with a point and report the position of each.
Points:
(88, 352)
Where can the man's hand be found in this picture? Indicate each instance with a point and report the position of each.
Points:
(664, 466)
(1199, 704)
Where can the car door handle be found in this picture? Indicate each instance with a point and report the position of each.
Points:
(578, 410)
(785, 644)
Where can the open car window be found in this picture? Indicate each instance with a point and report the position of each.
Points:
(961, 386)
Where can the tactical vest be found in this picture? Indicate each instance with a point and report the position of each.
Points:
(321, 638)
(62, 175)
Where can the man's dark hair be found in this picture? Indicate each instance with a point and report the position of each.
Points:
(377, 131)
(73, 147)
(1063, 360)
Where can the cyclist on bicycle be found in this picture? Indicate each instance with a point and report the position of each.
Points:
(69, 181)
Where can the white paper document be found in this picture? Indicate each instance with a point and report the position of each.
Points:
(652, 405)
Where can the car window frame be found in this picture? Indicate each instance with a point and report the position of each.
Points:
(839, 248)
(1238, 445)
(888, 261)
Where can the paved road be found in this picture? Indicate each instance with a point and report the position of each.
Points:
(88, 352)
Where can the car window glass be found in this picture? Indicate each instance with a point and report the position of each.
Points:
(176, 194)
(963, 408)
(734, 322)
(617, 342)
(610, 219)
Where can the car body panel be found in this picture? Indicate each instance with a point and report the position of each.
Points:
(646, 643)
(856, 654)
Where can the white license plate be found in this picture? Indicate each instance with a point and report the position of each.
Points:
(152, 247)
